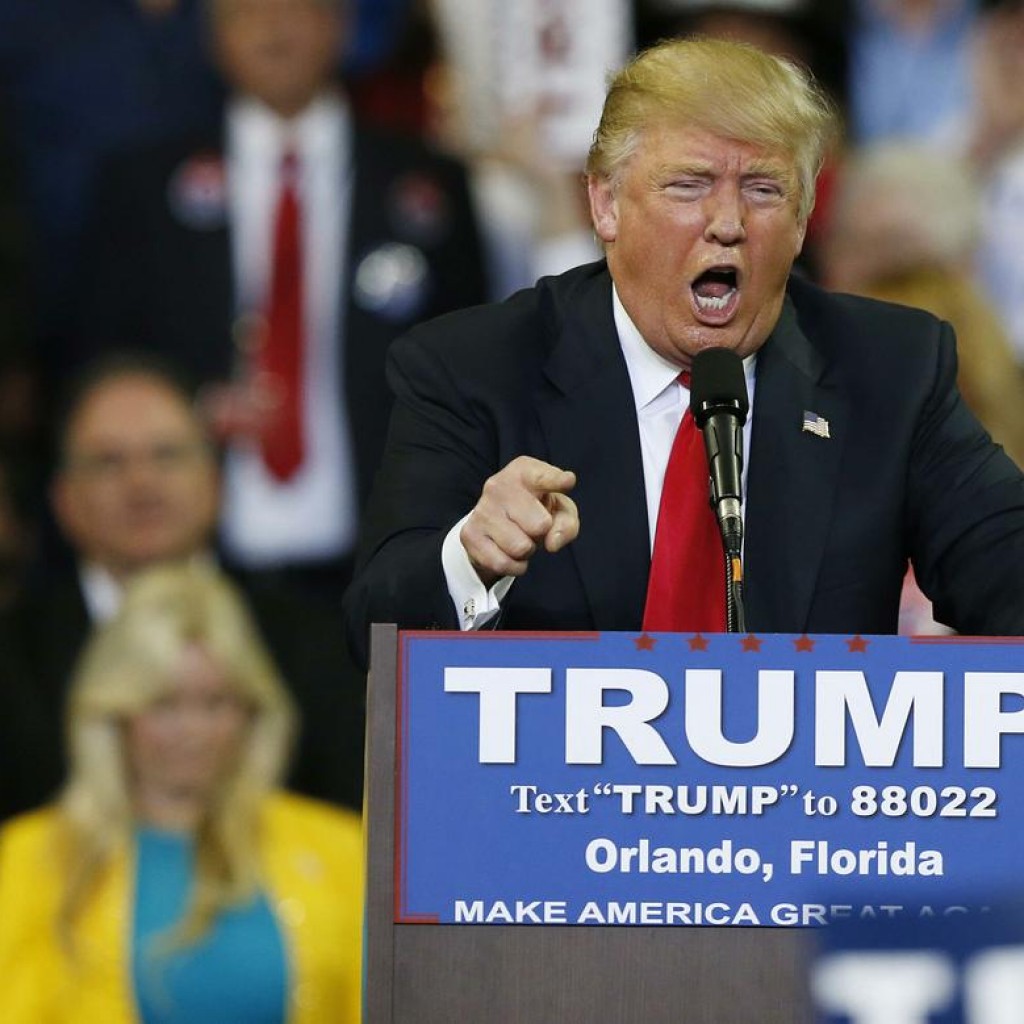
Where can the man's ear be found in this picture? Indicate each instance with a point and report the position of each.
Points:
(801, 235)
(604, 208)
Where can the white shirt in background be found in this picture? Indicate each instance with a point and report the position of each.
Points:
(312, 516)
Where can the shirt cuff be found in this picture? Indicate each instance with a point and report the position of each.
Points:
(475, 604)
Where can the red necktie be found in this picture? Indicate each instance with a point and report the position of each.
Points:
(280, 357)
(686, 588)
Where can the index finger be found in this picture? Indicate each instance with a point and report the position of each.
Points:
(542, 478)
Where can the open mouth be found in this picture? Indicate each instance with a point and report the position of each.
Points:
(716, 294)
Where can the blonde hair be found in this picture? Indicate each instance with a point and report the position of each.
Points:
(730, 89)
(127, 665)
(909, 204)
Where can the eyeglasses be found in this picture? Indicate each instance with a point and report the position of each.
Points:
(168, 457)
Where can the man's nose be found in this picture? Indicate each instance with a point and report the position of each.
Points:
(143, 469)
(724, 213)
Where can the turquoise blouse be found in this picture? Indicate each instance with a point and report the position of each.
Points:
(236, 974)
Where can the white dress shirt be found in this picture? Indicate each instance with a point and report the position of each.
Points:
(661, 401)
(103, 592)
(313, 515)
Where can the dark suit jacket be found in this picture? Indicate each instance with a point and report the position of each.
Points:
(158, 268)
(42, 636)
(830, 523)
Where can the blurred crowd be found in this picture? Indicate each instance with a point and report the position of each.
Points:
(215, 215)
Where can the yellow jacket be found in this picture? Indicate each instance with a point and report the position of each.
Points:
(313, 862)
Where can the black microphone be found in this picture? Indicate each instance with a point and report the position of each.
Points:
(719, 405)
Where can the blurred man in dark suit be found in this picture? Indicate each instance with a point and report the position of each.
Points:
(277, 260)
(137, 485)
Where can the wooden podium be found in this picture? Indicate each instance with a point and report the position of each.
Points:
(528, 974)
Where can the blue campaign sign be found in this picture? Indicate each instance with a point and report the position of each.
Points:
(688, 780)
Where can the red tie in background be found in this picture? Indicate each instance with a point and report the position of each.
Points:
(686, 588)
(280, 356)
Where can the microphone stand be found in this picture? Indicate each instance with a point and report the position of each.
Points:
(728, 513)
(730, 525)
(735, 612)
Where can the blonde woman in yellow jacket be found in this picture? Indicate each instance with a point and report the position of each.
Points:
(172, 881)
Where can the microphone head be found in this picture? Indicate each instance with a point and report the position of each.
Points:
(718, 384)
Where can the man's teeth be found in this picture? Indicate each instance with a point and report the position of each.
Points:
(711, 302)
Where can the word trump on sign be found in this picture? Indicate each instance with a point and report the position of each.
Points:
(651, 728)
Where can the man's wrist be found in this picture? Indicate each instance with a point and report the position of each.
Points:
(477, 601)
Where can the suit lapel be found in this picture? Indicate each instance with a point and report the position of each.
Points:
(60, 634)
(198, 263)
(589, 421)
(792, 479)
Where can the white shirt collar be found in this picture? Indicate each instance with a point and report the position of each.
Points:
(257, 132)
(103, 592)
(651, 374)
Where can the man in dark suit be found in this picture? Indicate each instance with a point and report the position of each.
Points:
(138, 485)
(186, 259)
(861, 452)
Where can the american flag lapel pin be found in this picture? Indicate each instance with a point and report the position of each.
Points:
(815, 424)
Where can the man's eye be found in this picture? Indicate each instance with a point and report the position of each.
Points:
(687, 186)
(170, 454)
(102, 464)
